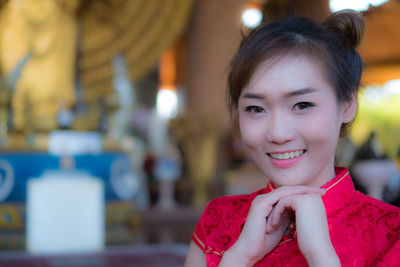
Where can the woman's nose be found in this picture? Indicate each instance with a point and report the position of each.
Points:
(279, 129)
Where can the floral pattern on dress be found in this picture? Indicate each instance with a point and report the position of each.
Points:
(364, 231)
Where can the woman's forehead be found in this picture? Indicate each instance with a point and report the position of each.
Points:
(289, 69)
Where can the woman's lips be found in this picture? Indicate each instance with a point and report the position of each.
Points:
(286, 159)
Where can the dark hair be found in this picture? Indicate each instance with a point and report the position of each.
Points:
(333, 42)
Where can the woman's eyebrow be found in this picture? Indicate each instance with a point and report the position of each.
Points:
(253, 96)
(302, 91)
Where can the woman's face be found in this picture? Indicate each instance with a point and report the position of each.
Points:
(290, 121)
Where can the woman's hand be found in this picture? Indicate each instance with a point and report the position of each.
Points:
(311, 226)
(254, 241)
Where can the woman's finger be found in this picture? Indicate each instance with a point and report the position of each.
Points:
(286, 217)
(285, 191)
(281, 206)
(265, 202)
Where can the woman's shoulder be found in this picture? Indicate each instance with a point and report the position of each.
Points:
(376, 217)
(373, 214)
(234, 203)
(227, 208)
(375, 206)
(221, 222)
(230, 202)
(376, 226)
(231, 206)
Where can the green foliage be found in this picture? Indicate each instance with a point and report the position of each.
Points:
(379, 113)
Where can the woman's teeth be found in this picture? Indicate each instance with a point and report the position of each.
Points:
(288, 155)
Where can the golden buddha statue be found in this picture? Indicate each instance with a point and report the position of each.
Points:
(39, 42)
(47, 31)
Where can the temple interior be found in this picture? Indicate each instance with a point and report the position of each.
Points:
(115, 129)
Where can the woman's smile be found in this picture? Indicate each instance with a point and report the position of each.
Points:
(286, 159)
(286, 154)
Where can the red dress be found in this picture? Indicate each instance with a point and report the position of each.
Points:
(364, 231)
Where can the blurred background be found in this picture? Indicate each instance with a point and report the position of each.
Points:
(115, 131)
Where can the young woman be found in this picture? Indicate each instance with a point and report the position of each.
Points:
(293, 85)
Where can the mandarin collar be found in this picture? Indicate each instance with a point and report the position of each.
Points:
(338, 191)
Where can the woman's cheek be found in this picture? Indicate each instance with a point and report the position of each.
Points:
(320, 130)
(253, 132)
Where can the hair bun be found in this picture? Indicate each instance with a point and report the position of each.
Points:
(349, 24)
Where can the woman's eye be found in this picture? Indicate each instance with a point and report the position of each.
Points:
(303, 105)
(254, 109)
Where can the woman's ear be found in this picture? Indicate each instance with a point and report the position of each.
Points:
(349, 109)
